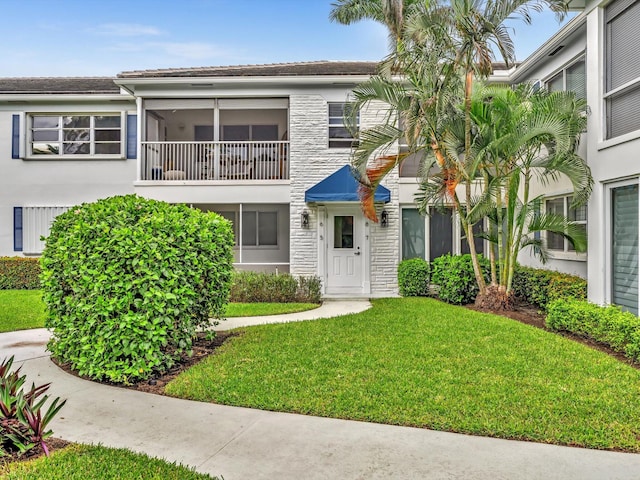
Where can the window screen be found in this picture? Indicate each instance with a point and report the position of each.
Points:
(267, 228)
(249, 229)
(412, 234)
(624, 248)
(440, 232)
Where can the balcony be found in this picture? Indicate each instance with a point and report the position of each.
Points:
(214, 161)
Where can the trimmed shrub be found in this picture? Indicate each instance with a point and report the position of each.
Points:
(128, 282)
(19, 273)
(540, 287)
(413, 277)
(260, 287)
(309, 289)
(456, 279)
(609, 324)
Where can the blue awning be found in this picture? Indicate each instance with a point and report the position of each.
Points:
(341, 186)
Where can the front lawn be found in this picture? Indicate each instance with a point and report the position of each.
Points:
(84, 462)
(260, 309)
(419, 362)
(21, 310)
(24, 309)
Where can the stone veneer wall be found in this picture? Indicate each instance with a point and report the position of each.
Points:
(311, 162)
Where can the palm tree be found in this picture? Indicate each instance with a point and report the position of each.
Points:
(525, 134)
(464, 34)
(391, 13)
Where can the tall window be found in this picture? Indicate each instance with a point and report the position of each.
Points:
(339, 135)
(562, 206)
(75, 135)
(413, 244)
(624, 247)
(570, 79)
(622, 69)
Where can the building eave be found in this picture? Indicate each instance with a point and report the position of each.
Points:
(131, 84)
(549, 46)
(22, 98)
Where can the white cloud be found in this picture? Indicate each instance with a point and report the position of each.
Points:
(126, 30)
(177, 50)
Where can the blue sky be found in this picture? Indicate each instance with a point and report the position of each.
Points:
(95, 38)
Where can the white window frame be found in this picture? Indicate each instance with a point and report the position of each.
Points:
(92, 141)
(621, 90)
(426, 232)
(563, 71)
(339, 123)
(565, 253)
(609, 187)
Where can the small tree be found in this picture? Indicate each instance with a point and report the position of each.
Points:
(128, 282)
(527, 134)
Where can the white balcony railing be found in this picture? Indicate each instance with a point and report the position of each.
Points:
(191, 161)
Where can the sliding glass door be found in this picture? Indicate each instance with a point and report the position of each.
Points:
(624, 246)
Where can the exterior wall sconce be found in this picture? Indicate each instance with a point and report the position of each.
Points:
(304, 219)
(384, 219)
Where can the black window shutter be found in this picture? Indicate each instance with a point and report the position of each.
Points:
(132, 136)
(17, 229)
(15, 137)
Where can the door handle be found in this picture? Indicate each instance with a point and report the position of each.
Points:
(357, 252)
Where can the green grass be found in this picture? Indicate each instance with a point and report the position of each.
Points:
(84, 462)
(24, 309)
(422, 363)
(259, 309)
(21, 309)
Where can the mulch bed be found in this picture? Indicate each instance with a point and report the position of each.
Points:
(52, 444)
(202, 347)
(530, 315)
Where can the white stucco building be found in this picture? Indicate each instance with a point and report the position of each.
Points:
(247, 142)
(257, 143)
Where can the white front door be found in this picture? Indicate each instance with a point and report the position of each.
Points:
(345, 252)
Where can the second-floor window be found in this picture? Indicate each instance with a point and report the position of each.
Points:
(562, 206)
(69, 135)
(622, 69)
(340, 136)
(572, 78)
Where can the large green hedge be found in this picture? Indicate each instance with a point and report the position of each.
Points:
(606, 324)
(260, 287)
(19, 273)
(128, 281)
(540, 287)
(413, 277)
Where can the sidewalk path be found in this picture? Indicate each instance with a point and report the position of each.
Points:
(240, 443)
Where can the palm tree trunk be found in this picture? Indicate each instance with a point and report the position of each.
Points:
(464, 219)
(492, 251)
(525, 205)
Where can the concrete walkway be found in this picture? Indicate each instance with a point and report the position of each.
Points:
(240, 443)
